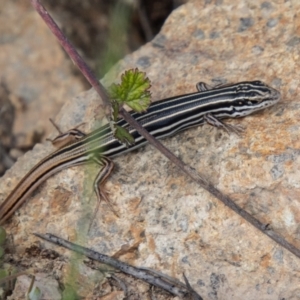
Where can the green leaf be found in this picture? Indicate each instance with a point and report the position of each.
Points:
(133, 90)
(123, 136)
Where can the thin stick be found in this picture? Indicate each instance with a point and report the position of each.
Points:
(180, 290)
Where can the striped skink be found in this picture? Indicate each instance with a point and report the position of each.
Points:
(163, 118)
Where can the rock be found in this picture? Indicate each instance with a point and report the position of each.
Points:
(31, 60)
(177, 226)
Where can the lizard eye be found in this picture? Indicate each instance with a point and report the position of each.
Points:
(258, 82)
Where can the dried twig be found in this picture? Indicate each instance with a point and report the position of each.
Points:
(158, 280)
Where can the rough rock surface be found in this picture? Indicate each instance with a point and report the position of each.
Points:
(167, 222)
(31, 61)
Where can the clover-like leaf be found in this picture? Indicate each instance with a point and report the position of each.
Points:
(133, 90)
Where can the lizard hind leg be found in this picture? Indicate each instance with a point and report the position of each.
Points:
(105, 171)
